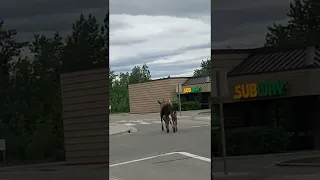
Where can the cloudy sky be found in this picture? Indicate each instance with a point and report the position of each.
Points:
(172, 37)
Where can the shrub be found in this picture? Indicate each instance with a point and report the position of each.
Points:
(187, 106)
(191, 105)
(251, 140)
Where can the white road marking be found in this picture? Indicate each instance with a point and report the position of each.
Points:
(122, 121)
(135, 121)
(196, 126)
(157, 122)
(160, 155)
(114, 178)
(144, 123)
(142, 159)
(129, 124)
(195, 156)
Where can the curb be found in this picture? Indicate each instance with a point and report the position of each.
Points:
(131, 129)
(14, 168)
(283, 164)
(236, 176)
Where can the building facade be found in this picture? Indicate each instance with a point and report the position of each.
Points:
(143, 97)
(272, 84)
(85, 111)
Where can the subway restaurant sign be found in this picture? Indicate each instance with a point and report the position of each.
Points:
(191, 90)
(261, 89)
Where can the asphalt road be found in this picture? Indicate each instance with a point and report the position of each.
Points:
(151, 153)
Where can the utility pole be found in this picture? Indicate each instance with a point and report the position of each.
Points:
(222, 128)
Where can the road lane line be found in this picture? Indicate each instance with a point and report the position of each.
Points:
(144, 123)
(129, 124)
(166, 154)
(142, 159)
(195, 156)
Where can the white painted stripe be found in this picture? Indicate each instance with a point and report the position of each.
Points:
(166, 154)
(196, 126)
(122, 121)
(195, 156)
(158, 122)
(144, 123)
(129, 124)
(142, 159)
(135, 121)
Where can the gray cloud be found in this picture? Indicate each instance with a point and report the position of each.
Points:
(48, 16)
(153, 56)
(182, 64)
(244, 23)
(185, 8)
(28, 9)
(125, 42)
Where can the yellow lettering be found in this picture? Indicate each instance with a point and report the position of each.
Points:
(245, 90)
(186, 90)
(253, 90)
(237, 92)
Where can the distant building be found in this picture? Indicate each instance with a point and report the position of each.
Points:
(144, 96)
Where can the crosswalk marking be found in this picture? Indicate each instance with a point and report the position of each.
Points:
(129, 124)
(144, 123)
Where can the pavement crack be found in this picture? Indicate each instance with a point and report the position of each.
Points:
(178, 159)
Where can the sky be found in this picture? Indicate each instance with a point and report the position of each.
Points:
(171, 37)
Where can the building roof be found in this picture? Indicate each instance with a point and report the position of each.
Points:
(159, 79)
(232, 51)
(197, 80)
(267, 60)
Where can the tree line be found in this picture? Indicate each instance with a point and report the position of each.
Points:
(119, 91)
(30, 115)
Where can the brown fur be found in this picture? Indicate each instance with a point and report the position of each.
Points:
(166, 110)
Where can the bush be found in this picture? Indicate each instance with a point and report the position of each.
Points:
(251, 140)
(187, 106)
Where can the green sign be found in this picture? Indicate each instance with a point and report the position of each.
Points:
(191, 90)
(262, 89)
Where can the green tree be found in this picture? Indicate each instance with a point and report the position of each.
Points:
(139, 74)
(302, 27)
(30, 116)
(205, 68)
(119, 93)
(88, 40)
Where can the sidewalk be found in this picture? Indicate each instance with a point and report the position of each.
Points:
(116, 128)
(193, 115)
(255, 176)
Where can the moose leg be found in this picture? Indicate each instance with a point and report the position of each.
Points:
(161, 122)
(167, 123)
(167, 126)
(172, 125)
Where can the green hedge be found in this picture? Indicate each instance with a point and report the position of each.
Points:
(187, 106)
(251, 140)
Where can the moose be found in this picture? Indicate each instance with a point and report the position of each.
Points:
(166, 110)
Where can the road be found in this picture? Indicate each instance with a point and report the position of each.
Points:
(151, 153)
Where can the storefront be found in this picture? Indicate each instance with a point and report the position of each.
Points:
(143, 97)
(277, 86)
(196, 89)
